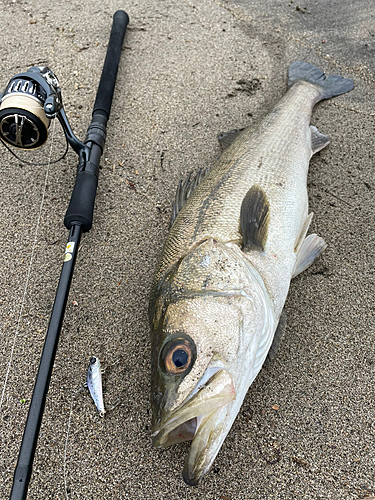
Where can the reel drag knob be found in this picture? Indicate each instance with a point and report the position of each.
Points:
(23, 122)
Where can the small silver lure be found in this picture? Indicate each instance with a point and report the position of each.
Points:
(94, 383)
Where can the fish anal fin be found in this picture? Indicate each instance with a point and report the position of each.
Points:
(254, 219)
(312, 246)
(318, 140)
(279, 334)
(303, 233)
(227, 138)
(184, 191)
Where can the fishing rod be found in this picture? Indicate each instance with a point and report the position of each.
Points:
(27, 105)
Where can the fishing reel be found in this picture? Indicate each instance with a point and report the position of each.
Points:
(27, 106)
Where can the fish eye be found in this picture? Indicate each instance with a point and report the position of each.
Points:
(178, 356)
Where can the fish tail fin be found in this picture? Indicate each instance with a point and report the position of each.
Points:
(330, 86)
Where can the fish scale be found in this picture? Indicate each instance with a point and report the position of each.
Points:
(236, 242)
(276, 146)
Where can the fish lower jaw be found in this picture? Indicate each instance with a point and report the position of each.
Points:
(185, 421)
(201, 431)
(206, 444)
(183, 432)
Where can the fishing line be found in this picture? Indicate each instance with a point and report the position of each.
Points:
(67, 438)
(25, 126)
(84, 386)
(66, 447)
(38, 164)
(29, 269)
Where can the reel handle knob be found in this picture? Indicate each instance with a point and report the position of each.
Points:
(51, 106)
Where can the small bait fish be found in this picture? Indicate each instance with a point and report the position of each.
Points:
(94, 384)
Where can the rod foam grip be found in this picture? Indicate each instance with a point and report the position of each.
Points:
(81, 206)
(107, 82)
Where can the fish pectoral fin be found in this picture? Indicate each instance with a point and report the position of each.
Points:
(227, 138)
(279, 334)
(318, 140)
(184, 190)
(312, 246)
(254, 219)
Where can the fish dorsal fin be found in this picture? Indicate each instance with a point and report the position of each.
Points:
(227, 138)
(254, 219)
(184, 190)
(312, 246)
(318, 140)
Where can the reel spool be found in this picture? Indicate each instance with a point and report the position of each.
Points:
(28, 103)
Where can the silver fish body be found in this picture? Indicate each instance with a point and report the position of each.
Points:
(237, 240)
(94, 384)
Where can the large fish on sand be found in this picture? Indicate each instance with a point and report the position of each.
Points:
(238, 237)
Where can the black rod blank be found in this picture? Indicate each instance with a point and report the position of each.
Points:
(81, 207)
(22, 474)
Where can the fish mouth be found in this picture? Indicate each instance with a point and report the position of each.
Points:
(198, 419)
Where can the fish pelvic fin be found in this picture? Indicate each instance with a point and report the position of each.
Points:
(254, 219)
(329, 86)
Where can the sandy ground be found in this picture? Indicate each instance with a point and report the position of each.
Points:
(177, 89)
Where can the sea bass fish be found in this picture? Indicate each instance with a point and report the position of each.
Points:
(239, 235)
(94, 384)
